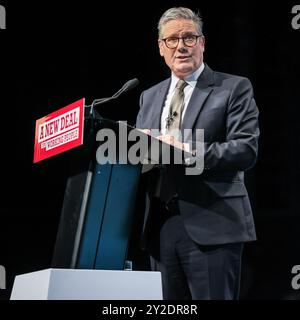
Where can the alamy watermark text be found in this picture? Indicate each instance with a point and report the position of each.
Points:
(2, 17)
(296, 18)
(2, 278)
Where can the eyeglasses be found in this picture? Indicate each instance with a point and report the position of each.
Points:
(189, 41)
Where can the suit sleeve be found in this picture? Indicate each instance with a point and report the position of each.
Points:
(138, 123)
(239, 151)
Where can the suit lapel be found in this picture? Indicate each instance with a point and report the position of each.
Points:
(201, 92)
(158, 103)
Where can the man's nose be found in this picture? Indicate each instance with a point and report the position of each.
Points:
(181, 47)
(181, 43)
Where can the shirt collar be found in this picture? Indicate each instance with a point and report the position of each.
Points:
(191, 79)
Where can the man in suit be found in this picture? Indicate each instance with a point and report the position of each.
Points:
(195, 225)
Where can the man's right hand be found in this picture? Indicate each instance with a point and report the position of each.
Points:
(147, 131)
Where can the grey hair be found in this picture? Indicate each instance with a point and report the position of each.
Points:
(180, 13)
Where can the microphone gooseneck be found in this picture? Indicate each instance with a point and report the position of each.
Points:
(127, 86)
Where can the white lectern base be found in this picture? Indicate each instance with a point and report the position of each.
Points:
(77, 284)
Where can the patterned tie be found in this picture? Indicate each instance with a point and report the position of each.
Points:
(173, 121)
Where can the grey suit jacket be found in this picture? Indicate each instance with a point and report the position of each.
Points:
(214, 205)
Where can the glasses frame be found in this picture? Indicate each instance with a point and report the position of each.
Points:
(183, 39)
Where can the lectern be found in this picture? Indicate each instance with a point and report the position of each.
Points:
(98, 204)
(97, 213)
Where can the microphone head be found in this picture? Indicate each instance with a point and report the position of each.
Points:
(131, 84)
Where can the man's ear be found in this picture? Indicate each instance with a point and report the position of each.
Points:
(160, 46)
(203, 42)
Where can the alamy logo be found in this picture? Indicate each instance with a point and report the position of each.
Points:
(296, 19)
(2, 17)
(2, 278)
(296, 279)
(136, 147)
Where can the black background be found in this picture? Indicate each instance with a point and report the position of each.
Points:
(53, 54)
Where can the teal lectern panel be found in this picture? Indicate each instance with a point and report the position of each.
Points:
(109, 215)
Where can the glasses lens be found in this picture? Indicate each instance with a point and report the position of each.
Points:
(171, 42)
(190, 40)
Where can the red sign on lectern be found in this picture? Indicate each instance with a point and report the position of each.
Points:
(59, 131)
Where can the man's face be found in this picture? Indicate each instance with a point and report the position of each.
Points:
(182, 60)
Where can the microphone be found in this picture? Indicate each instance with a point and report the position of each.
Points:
(127, 86)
